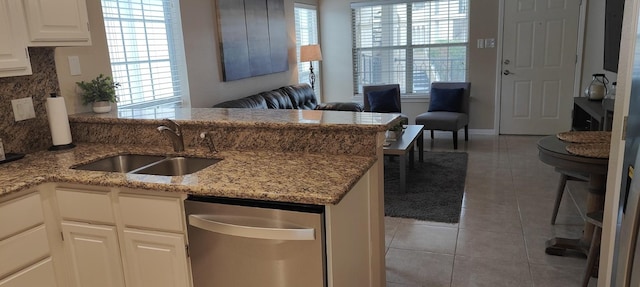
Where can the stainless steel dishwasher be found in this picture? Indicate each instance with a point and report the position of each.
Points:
(242, 243)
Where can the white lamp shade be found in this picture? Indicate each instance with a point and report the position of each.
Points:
(310, 53)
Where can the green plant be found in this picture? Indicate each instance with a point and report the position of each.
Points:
(102, 88)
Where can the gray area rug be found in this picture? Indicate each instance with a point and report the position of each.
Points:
(434, 187)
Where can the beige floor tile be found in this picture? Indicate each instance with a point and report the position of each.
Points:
(488, 219)
(425, 238)
(486, 244)
(535, 250)
(484, 272)
(419, 268)
(551, 276)
(430, 223)
(390, 226)
(391, 284)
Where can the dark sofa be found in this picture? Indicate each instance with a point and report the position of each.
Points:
(299, 96)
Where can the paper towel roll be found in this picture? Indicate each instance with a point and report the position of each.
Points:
(58, 121)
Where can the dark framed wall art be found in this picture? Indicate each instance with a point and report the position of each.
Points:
(253, 38)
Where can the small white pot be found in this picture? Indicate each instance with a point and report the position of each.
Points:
(101, 107)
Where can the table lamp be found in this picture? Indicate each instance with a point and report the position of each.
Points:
(310, 53)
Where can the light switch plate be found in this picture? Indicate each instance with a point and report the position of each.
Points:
(74, 66)
(480, 43)
(23, 109)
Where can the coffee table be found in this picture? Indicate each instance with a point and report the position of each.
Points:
(403, 146)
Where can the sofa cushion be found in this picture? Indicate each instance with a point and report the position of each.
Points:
(302, 96)
(384, 101)
(446, 100)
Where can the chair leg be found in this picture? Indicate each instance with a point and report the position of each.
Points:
(561, 185)
(455, 139)
(593, 255)
(466, 133)
(431, 134)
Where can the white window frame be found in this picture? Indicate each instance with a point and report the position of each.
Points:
(146, 52)
(307, 34)
(399, 48)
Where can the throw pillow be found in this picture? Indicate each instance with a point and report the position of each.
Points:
(384, 101)
(446, 100)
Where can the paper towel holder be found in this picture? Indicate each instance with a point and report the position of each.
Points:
(62, 147)
(63, 142)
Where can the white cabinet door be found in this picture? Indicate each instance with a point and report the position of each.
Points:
(14, 57)
(94, 254)
(57, 22)
(40, 274)
(156, 259)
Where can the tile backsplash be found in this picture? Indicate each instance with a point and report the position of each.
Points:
(33, 134)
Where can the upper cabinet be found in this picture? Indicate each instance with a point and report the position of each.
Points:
(57, 22)
(31, 23)
(14, 57)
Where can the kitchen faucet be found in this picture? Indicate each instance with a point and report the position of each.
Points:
(172, 130)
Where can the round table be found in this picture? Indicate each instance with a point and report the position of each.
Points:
(552, 152)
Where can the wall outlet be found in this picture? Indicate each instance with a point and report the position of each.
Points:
(490, 43)
(23, 109)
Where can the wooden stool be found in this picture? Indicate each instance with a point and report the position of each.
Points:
(594, 218)
(564, 176)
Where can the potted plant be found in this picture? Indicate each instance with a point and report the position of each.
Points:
(99, 92)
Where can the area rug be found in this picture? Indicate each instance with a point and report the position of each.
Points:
(434, 187)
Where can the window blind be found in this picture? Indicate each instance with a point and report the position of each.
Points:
(410, 43)
(146, 52)
(306, 25)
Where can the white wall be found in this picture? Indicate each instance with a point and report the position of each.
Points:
(337, 83)
(593, 53)
(202, 55)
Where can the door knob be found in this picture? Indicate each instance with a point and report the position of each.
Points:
(506, 72)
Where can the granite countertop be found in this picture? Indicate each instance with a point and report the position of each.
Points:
(272, 176)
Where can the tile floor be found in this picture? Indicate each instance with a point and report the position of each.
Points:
(499, 241)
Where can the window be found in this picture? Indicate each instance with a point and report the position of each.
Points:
(306, 22)
(146, 51)
(412, 43)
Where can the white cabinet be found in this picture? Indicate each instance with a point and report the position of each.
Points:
(41, 274)
(156, 259)
(24, 245)
(14, 57)
(94, 254)
(57, 22)
(113, 239)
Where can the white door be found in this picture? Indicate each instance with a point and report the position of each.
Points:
(157, 259)
(94, 254)
(538, 65)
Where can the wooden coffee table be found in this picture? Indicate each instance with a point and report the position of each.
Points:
(403, 146)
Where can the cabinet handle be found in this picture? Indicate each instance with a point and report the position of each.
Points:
(212, 223)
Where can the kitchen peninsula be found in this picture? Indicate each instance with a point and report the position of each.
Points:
(327, 158)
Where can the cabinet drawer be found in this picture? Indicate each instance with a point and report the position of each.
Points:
(85, 206)
(22, 250)
(40, 274)
(159, 213)
(20, 214)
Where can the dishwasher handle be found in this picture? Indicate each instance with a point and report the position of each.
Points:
(208, 222)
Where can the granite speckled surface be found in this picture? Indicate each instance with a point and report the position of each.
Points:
(307, 131)
(272, 176)
(32, 134)
(311, 157)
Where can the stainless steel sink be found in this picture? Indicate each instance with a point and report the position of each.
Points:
(121, 163)
(149, 164)
(175, 166)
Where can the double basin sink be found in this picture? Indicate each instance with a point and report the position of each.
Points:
(149, 164)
